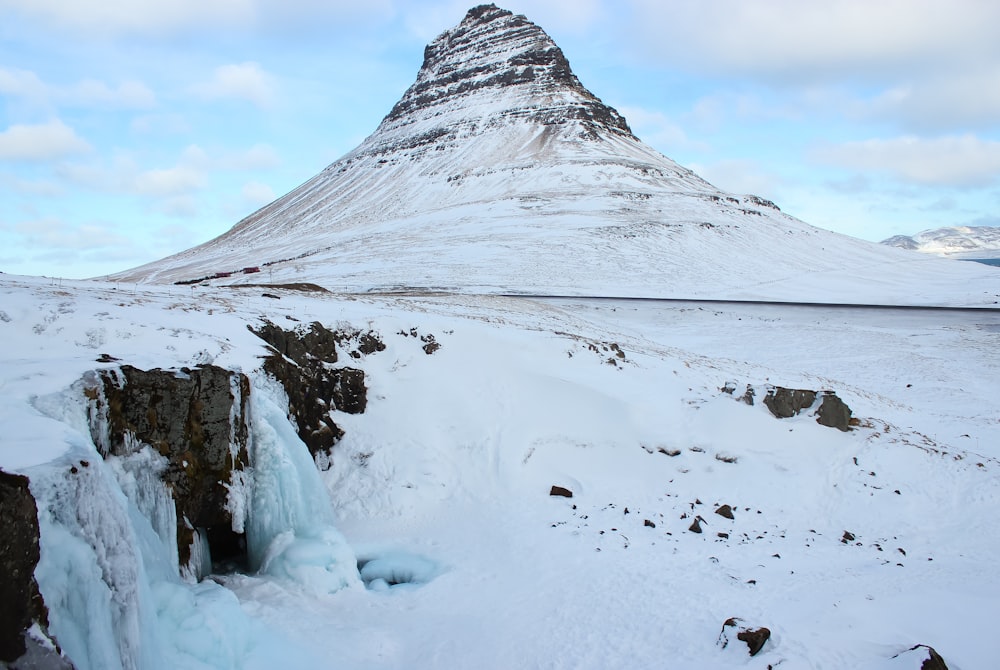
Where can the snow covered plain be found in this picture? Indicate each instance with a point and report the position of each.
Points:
(443, 484)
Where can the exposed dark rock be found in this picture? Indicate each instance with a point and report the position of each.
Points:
(928, 658)
(302, 362)
(195, 419)
(560, 491)
(834, 412)
(648, 524)
(369, 343)
(754, 638)
(21, 604)
(725, 511)
(430, 344)
(748, 395)
(695, 526)
(495, 49)
(303, 346)
(785, 403)
(848, 537)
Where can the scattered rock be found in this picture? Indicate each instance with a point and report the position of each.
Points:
(107, 358)
(848, 537)
(430, 344)
(754, 638)
(648, 524)
(748, 395)
(560, 491)
(695, 526)
(725, 511)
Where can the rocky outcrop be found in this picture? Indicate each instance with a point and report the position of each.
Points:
(785, 403)
(834, 412)
(196, 421)
(302, 361)
(21, 606)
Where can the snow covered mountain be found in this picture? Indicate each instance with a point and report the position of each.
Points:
(280, 476)
(498, 172)
(953, 241)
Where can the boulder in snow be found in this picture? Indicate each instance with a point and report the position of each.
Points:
(736, 628)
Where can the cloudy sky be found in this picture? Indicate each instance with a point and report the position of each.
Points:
(132, 129)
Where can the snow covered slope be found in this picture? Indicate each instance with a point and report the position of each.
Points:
(498, 172)
(955, 242)
(851, 547)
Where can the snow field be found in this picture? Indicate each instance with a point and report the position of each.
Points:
(442, 485)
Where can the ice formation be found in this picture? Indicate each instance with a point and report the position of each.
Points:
(109, 569)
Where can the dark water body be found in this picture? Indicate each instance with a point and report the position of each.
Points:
(995, 262)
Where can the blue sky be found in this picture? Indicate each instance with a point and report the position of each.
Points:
(132, 129)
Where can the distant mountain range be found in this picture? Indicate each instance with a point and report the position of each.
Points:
(955, 241)
(499, 172)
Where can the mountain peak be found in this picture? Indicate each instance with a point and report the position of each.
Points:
(496, 56)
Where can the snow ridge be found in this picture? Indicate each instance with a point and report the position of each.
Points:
(957, 241)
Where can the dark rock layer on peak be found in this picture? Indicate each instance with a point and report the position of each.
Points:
(493, 48)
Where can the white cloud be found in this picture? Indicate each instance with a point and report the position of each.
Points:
(740, 176)
(156, 18)
(92, 93)
(169, 181)
(257, 157)
(101, 17)
(52, 233)
(968, 99)
(21, 83)
(803, 41)
(244, 81)
(658, 130)
(27, 85)
(40, 142)
(257, 194)
(179, 206)
(964, 160)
